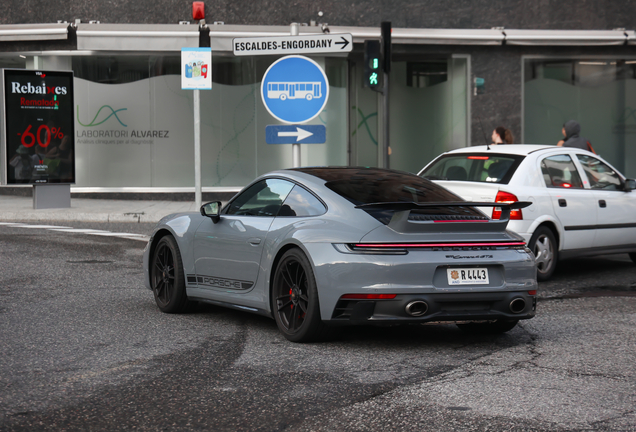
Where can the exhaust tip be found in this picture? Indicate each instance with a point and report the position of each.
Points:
(416, 308)
(517, 305)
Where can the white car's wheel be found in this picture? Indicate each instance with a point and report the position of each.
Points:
(544, 246)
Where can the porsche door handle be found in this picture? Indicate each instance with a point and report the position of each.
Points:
(602, 203)
(254, 241)
(562, 202)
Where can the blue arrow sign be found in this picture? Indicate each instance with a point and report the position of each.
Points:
(295, 134)
(295, 89)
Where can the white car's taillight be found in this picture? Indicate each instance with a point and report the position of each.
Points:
(506, 197)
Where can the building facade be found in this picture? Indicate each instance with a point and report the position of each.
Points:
(459, 69)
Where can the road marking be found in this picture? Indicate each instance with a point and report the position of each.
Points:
(77, 230)
(57, 228)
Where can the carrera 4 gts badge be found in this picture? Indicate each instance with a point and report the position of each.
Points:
(469, 256)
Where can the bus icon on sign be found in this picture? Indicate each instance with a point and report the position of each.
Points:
(293, 90)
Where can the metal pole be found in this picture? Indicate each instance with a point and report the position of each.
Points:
(385, 119)
(197, 149)
(295, 30)
(385, 30)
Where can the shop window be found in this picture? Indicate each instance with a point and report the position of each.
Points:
(599, 93)
(556, 70)
(124, 69)
(426, 74)
(581, 72)
(13, 62)
(234, 70)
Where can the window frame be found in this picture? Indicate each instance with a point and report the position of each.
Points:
(577, 170)
(310, 193)
(621, 179)
(227, 207)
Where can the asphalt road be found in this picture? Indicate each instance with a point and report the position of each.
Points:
(83, 347)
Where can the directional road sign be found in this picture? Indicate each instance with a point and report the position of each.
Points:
(295, 89)
(285, 45)
(292, 134)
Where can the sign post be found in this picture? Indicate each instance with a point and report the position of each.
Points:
(296, 162)
(196, 74)
(295, 89)
(39, 132)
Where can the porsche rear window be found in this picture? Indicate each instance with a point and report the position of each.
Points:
(372, 185)
(477, 167)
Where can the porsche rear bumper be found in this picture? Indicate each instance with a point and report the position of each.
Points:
(509, 305)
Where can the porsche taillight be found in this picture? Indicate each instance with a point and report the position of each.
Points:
(506, 197)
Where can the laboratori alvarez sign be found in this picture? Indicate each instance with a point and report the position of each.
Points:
(116, 115)
(135, 134)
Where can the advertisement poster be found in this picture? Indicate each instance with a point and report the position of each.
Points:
(196, 72)
(39, 126)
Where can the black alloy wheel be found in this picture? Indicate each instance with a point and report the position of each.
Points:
(544, 246)
(166, 277)
(295, 299)
(495, 327)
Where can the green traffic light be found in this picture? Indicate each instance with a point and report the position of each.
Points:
(376, 63)
(373, 79)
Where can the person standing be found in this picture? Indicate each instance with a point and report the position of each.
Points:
(501, 135)
(571, 138)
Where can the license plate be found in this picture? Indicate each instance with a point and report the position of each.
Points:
(467, 276)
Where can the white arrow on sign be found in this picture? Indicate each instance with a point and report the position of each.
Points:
(300, 133)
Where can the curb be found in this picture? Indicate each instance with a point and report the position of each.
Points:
(79, 217)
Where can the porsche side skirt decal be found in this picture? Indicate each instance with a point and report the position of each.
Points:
(204, 281)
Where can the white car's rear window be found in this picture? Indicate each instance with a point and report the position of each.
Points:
(473, 167)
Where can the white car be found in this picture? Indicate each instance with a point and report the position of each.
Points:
(581, 205)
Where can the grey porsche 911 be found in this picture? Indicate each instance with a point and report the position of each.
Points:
(314, 248)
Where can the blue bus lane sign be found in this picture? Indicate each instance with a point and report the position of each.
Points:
(295, 89)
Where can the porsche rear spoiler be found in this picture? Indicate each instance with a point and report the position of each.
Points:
(400, 221)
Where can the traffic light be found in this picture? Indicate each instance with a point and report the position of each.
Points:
(372, 64)
(385, 31)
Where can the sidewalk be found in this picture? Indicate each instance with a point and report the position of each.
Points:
(16, 208)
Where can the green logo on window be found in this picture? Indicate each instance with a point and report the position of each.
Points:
(112, 113)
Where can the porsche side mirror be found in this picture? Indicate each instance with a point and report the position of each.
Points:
(212, 210)
(630, 185)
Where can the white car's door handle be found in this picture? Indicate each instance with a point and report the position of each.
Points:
(254, 241)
